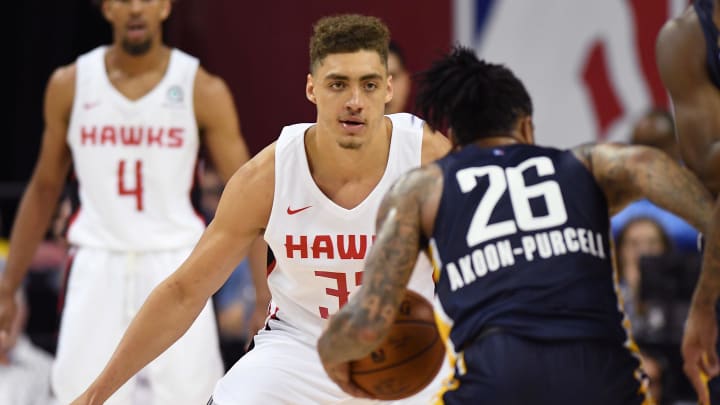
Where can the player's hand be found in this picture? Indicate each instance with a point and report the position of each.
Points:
(698, 349)
(8, 310)
(340, 374)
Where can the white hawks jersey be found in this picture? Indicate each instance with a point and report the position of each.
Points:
(134, 159)
(320, 247)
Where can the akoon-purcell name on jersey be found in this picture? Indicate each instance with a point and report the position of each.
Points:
(541, 245)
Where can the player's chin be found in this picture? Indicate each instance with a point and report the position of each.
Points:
(350, 142)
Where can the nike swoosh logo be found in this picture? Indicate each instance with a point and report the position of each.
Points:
(89, 106)
(293, 212)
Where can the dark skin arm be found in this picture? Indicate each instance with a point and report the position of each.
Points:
(628, 173)
(681, 59)
(405, 221)
(42, 193)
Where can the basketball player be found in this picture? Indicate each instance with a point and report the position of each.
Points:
(127, 116)
(313, 193)
(688, 58)
(519, 236)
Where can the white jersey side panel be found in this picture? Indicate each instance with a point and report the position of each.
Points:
(134, 160)
(319, 246)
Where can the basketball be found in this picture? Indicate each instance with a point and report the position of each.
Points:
(408, 360)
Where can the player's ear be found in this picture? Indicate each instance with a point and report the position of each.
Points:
(527, 129)
(105, 10)
(389, 85)
(310, 89)
(166, 8)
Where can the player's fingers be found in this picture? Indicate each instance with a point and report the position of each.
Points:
(340, 373)
(698, 379)
(354, 390)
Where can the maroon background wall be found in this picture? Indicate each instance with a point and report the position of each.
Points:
(261, 49)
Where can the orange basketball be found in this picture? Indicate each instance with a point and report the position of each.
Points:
(408, 360)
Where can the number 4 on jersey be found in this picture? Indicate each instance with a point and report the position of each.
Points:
(137, 191)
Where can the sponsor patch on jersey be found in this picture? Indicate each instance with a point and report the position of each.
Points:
(174, 96)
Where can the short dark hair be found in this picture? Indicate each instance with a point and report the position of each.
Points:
(348, 33)
(474, 98)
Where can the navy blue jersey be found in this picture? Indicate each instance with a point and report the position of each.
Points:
(704, 11)
(521, 242)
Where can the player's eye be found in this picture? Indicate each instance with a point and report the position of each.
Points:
(370, 86)
(337, 85)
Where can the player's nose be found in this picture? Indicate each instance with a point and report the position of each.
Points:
(355, 100)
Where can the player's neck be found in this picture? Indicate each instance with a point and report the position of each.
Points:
(502, 140)
(155, 58)
(328, 159)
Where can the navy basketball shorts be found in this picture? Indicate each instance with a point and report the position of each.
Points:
(502, 369)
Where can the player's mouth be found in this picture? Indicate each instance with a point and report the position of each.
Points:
(352, 125)
(136, 30)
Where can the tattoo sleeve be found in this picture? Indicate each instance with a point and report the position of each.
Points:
(627, 173)
(362, 324)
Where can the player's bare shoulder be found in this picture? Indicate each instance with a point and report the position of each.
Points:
(434, 145)
(680, 48)
(253, 184)
(60, 90)
(211, 96)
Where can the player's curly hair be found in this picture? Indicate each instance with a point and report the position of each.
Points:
(474, 98)
(348, 33)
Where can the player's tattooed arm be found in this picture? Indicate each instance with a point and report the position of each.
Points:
(404, 221)
(627, 173)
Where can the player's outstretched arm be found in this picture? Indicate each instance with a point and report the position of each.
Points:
(174, 304)
(219, 124)
(405, 220)
(627, 173)
(41, 195)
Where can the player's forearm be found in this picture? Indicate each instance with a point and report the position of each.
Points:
(707, 290)
(672, 187)
(163, 319)
(31, 222)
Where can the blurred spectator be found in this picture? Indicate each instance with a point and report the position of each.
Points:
(639, 237)
(235, 300)
(657, 129)
(24, 368)
(400, 80)
(655, 284)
